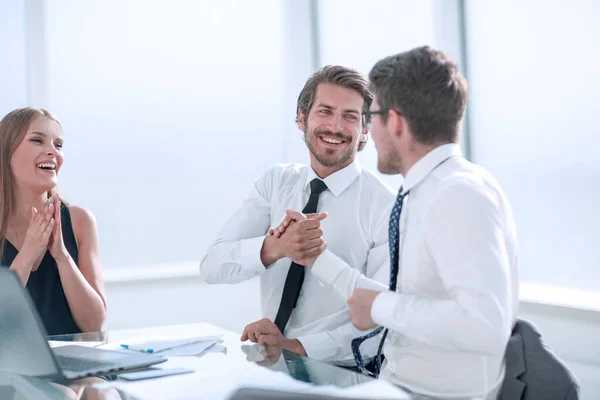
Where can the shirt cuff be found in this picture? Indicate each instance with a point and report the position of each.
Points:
(382, 310)
(280, 365)
(250, 253)
(318, 346)
(327, 267)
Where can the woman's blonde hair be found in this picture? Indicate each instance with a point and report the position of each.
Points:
(13, 128)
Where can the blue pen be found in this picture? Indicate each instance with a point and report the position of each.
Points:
(128, 347)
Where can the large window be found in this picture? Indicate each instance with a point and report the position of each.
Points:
(13, 67)
(170, 111)
(534, 105)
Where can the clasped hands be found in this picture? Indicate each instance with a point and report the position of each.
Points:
(298, 237)
(362, 300)
(44, 233)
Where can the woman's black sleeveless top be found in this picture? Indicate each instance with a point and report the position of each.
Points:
(44, 285)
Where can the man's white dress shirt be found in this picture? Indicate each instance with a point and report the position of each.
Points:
(356, 230)
(457, 295)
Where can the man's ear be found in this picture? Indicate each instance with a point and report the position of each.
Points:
(396, 123)
(363, 139)
(300, 120)
(365, 131)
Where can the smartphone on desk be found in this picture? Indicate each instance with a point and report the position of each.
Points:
(152, 373)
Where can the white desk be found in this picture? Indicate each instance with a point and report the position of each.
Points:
(242, 365)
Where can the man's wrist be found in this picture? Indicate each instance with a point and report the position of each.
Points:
(310, 262)
(294, 346)
(268, 251)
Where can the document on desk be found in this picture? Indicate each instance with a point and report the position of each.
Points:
(168, 346)
(191, 349)
(218, 347)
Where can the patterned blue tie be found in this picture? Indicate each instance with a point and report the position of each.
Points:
(394, 241)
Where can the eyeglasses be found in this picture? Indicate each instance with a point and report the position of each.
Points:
(368, 114)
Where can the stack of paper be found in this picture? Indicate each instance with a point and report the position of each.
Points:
(169, 346)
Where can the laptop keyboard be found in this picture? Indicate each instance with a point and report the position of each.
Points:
(80, 364)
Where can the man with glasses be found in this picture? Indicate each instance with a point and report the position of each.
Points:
(348, 210)
(452, 301)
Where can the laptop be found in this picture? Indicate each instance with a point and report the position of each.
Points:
(25, 351)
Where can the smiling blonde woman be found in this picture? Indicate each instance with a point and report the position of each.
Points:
(52, 246)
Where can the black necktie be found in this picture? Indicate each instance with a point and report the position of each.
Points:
(295, 276)
(394, 242)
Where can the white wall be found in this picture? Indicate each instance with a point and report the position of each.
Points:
(186, 299)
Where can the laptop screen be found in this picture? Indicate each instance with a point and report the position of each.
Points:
(23, 346)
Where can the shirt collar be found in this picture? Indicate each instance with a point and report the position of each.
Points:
(418, 172)
(339, 180)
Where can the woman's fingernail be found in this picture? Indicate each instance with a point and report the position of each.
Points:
(51, 206)
(51, 220)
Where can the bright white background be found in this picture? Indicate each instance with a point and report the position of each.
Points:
(13, 64)
(171, 110)
(169, 113)
(535, 103)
